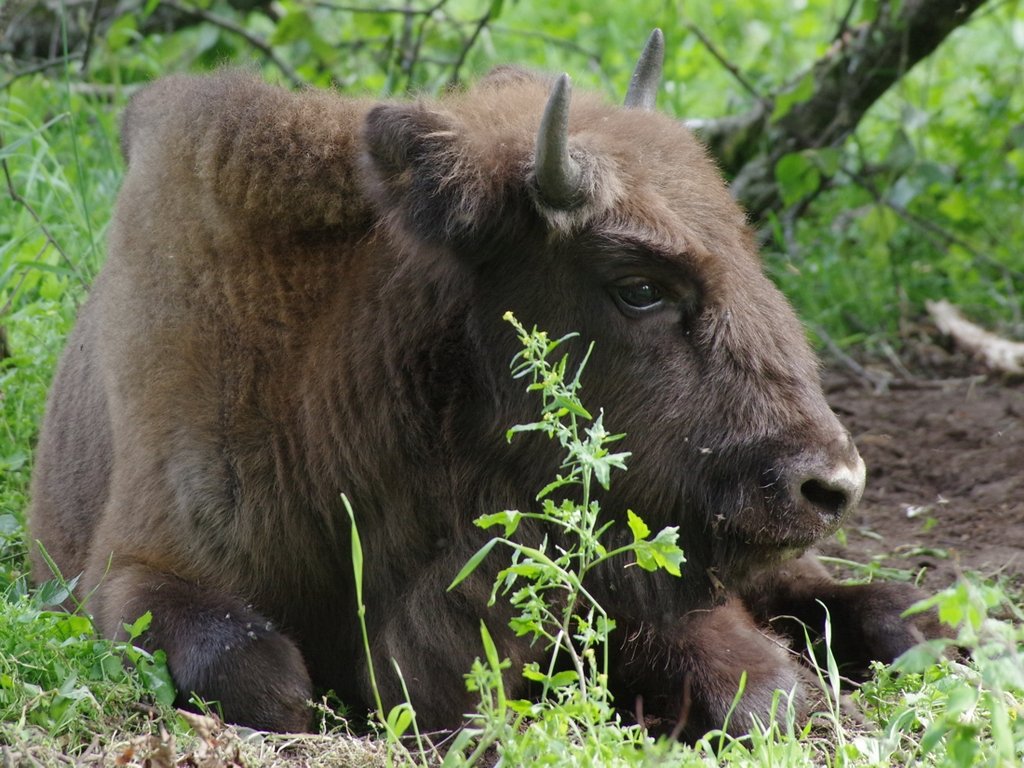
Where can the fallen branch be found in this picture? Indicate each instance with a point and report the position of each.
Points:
(997, 353)
(879, 382)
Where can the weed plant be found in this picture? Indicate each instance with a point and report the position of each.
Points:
(927, 709)
(946, 146)
(62, 687)
(58, 678)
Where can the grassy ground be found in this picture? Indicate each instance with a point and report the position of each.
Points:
(945, 148)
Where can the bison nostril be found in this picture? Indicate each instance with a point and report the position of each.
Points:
(830, 499)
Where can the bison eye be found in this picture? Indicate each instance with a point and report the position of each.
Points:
(637, 295)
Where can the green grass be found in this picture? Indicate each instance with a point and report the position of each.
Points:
(59, 678)
(946, 147)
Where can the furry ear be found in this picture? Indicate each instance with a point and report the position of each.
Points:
(422, 175)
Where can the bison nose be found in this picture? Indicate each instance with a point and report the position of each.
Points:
(830, 488)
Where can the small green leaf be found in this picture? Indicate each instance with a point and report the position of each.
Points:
(510, 518)
(490, 649)
(637, 526)
(14, 461)
(536, 427)
(801, 92)
(564, 678)
(901, 154)
(554, 485)
(661, 552)
(526, 569)
(73, 625)
(797, 177)
(357, 551)
(54, 591)
(961, 699)
(472, 563)
(157, 678)
(140, 625)
(958, 206)
(122, 32)
(828, 160)
(920, 657)
(573, 406)
(557, 680)
(399, 719)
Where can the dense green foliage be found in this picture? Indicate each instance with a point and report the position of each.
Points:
(923, 202)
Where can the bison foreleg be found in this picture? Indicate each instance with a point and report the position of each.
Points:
(218, 648)
(688, 677)
(866, 620)
(426, 641)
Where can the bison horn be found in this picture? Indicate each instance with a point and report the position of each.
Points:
(643, 86)
(559, 177)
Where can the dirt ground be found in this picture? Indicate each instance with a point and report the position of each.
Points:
(945, 486)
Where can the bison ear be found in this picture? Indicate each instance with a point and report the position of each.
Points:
(414, 156)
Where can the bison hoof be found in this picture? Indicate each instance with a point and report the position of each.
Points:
(871, 626)
(686, 683)
(256, 679)
(219, 650)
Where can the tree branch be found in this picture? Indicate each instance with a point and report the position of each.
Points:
(229, 26)
(50, 239)
(857, 70)
(724, 61)
(478, 29)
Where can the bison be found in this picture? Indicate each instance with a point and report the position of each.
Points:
(303, 297)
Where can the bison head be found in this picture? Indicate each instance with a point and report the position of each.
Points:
(614, 223)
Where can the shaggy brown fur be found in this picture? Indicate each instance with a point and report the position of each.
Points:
(303, 298)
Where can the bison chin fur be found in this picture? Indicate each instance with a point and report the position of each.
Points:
(303, 298)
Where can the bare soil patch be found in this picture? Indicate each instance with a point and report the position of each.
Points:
(945, 488)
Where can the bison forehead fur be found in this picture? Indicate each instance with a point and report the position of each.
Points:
(303, 298)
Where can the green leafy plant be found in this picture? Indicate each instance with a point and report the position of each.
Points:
(939, 710)
(58, 675)
(546, 584)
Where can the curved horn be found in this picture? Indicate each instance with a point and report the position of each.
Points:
(559, 177)
(643, 86)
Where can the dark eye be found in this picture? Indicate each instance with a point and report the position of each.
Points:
(637, 295)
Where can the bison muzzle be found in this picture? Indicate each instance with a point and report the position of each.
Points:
(303, 297)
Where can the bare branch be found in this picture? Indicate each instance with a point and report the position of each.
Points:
(41, 66)
(933, 231)
(844, 23)
(852, 75)
(19, 200)
(90, 35)
(403, 10)
(478, 29)
(724, 61)
(879, 382)
(229, 26)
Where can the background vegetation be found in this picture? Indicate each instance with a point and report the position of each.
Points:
(920, 200)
